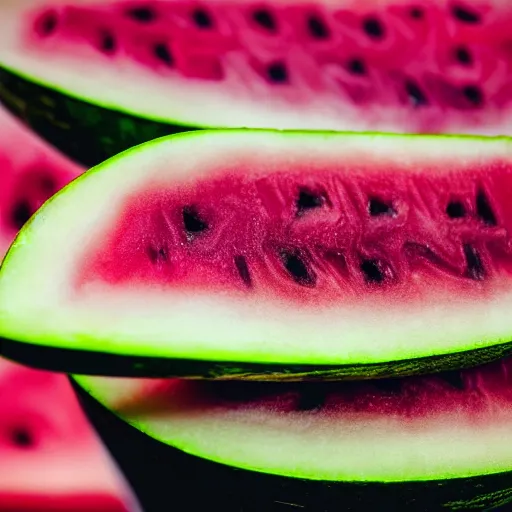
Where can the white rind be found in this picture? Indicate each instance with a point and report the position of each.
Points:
(124, 86)
(37, 303)
(321, 446)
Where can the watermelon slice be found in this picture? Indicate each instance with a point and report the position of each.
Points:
(30, 172)
(51, 460)
(429, 443)
(269, 255)
(96, 77)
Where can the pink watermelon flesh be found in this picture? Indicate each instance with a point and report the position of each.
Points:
(30, 172)
(317, 237)
(399, 65)
(50, 459)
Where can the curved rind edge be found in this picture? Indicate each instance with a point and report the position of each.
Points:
(97, 363)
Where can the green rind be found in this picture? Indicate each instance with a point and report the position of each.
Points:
(87, 362)
(161, 474)
(88, 134)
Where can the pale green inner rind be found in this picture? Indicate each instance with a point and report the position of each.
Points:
(37, 304)
(357, 448)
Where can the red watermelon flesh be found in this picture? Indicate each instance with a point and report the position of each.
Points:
(30, 172)
(402, 65)
(50, 459)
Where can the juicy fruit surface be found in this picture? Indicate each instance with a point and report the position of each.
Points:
(412, 66)
(319, 237)
(50, 458)
(415, 428)
(294, 247)
(30, 173)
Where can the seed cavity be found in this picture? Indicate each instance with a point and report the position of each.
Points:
(47, 24)
(317, 28)
(473, 94)
(455, 210)
(374, 271)
(265, 19)
(416, 13)
(308, 200)
(484, 210)
(463, 55)
(356, 67)
(163, 54)
(21, 213)
(243, 270)
(417, 97)
(373, 28)
(202, 19)
(193, 223)
(142, 14)
(388, 385)
(157, 254)
(475, 268)
(22, 438)
(454, 379)
(311, 399)
(376, 208)
(277, 73)
(297, 268)
(465, 15)
(107, 42)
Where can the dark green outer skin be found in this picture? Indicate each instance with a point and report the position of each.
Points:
(87, 362)
(165, 478)
(86, 133)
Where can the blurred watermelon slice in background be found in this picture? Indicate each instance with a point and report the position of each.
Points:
(50, 458)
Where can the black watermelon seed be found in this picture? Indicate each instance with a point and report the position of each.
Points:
(163, 54)
(473, 94)
(417, 97)
(22, 438)
(142, 14)
(48, 24)
(465, 15)
(21, 213)
(373, 28)
(308, 200)
(356, 67)
(317, 28)
(265, 19)
(372, 271)
(297, 268)
(202, 19)
(277, 73)
(376, 207)
(475, 268)
(192, 221)
(243, 270)
(484, 210)
(463, 55)
(455, 210)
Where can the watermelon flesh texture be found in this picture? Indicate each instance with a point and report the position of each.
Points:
(30, 172)
(294, 248)
(51, 460)
(419, 428)
(395, 65)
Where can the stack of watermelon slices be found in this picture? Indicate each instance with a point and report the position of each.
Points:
(372, 288)
(50, 459)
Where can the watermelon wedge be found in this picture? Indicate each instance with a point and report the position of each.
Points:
(96, 77)
(269, 255)
(429, 443)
